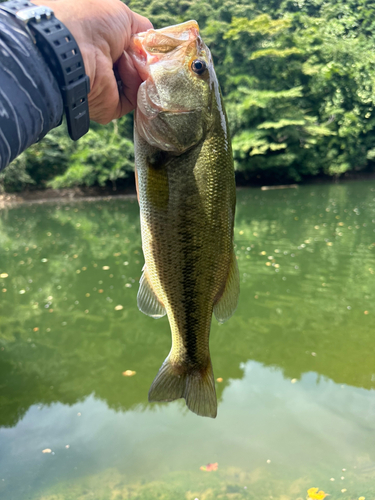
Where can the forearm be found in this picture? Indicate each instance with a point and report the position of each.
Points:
(30, 100)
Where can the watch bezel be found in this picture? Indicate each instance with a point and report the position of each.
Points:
(36, 14)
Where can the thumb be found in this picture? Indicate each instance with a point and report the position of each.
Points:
(139, 23)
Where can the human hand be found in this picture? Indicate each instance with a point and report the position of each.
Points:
(102, 29)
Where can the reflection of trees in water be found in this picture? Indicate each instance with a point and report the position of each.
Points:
(318, 307)
(68, 354)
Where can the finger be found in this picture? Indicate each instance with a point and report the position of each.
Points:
(130, 83)
(139, 23)
(104, 98)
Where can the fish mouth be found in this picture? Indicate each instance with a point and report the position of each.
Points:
(148, 47)
(176, 34)
(139, 55)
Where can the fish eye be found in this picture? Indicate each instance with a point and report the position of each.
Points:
(198, 66)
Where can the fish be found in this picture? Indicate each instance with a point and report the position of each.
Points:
(187, 196)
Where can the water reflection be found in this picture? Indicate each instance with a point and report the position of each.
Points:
(307, 267)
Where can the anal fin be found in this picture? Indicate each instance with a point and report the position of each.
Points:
(147, 300)
(227, 303)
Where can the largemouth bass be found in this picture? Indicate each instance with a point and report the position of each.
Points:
(186, 192)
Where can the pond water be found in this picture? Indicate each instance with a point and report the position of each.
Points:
(297, 360)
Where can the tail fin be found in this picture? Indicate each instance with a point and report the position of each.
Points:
(198, 388)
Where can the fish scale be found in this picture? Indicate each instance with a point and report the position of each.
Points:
(186, 192)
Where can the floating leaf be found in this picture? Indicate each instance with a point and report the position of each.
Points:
(209, 467)
(105, 268)
(128, 373)
(315, 494)
(119, 307)
(219, 379)
(47, 450)
(4, 275)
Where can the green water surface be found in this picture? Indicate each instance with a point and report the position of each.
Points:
(297, 360)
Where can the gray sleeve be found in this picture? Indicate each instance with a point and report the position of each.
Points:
(30, 100)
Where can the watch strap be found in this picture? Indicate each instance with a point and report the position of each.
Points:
(62, 54)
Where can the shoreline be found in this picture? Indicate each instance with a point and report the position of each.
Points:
(40, 196)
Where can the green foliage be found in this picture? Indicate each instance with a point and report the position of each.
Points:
(262, 24)
(298, 84)
(39, 163)
(15, 177)
(297, 80)
(274, 53)
(102, 155)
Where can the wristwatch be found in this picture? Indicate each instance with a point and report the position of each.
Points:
(62, 54)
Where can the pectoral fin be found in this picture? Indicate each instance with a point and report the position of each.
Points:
(227, 303)
(147, 300)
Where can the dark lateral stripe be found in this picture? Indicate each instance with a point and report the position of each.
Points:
(190, 296)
